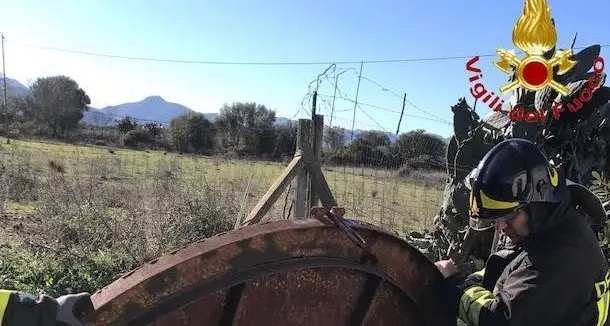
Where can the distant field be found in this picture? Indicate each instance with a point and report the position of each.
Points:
(377, 196)
(75, 218)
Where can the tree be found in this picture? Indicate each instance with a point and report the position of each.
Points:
(248, 122)
(154, 129)
(335, 137)
(285, 140)
(419, 142)
(373, 138)
(58, 103)
(418, 145)
(369, 148)
(179, 134)
(126, 124)
(192, 132)
(16, 108)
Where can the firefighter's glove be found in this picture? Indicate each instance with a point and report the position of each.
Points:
(69, 306)
(447, 267)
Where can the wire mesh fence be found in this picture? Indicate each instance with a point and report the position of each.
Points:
(372, 185)
(107, 198)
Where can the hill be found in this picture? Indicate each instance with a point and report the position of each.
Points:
(151, 109)
(13, 87)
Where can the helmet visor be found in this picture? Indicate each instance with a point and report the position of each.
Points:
(484, 224)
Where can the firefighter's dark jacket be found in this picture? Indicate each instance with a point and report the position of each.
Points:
(24, 309)
(559, 276)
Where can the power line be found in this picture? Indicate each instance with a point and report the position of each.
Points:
(254, 63)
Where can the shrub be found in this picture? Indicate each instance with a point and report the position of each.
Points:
(138, 138)
(86, 233)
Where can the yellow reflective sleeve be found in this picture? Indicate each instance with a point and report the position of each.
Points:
(4, 297)
(603, 299)
(471, 302)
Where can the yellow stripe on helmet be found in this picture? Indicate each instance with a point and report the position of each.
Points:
(553, 176)
(490, 203)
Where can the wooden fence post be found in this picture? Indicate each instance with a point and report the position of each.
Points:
(317, 141)
(300, 195)
(312, 188)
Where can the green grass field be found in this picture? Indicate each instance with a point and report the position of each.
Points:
(377, 196)
(94, 212)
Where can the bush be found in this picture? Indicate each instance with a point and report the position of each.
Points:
(56, 274)
(21, 186)
(97, 135)
(138, 138)
(336, 157)
(87, 234)
(423, 162)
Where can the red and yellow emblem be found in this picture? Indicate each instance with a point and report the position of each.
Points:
(535, 34)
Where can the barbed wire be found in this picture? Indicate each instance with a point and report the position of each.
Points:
(330, 76)
(376, 186)
(326, 103)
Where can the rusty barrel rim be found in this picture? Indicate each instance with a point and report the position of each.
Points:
(251, 252)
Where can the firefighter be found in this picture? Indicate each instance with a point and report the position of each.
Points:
(553, 272)
(24, 309)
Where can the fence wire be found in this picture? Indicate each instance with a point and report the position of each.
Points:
(370, 183)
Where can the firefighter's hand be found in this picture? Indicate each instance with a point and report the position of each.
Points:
(71, 307)
(447, 267)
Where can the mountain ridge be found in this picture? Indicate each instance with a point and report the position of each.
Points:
(155, 108)
(13, 87)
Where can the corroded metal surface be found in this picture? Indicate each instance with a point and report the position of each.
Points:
(280, 273)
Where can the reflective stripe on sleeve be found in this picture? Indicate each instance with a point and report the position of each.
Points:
(4, 297)
(603, 296)
(471, 302)
(602, 309)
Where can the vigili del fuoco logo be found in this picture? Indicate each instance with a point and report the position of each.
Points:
(535, 34)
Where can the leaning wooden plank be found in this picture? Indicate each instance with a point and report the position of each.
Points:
(319, 182)
(274, 192)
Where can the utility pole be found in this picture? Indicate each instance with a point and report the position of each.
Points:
(356, 102)
(8, 140)
(404, 99)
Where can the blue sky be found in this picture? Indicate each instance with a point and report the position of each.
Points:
(281, 31)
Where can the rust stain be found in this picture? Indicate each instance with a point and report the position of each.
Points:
(292, 272)
(308, 297)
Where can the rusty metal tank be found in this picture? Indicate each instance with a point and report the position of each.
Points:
(295, 272)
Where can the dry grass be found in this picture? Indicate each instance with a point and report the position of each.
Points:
(113, 209)
(378, 196)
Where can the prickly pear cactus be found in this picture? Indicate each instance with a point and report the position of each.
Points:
(576, 142)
